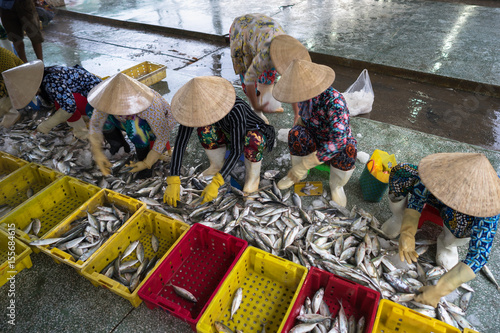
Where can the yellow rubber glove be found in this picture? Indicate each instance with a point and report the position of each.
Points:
(212, 190)
(407, 237)
(147, 163)
(431, 295)
(173, 191)
(299, 171)
(100, 159)
(60, 116)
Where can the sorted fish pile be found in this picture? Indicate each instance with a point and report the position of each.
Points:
(130, 273)
(86, 235)
(327, 236)
(315, 315)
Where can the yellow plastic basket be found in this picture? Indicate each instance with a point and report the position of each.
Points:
(9, 163)
(395, 318)
(141, 227)
(14, 188)
(51, 206)
(102, 198)
(468, 330)
(14, 255)
(270, 286)
(146, 72)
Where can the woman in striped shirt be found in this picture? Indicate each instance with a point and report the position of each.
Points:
(222, 119)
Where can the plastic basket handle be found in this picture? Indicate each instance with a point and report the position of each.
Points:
(373, 165)
(104, 281)
(167, 306)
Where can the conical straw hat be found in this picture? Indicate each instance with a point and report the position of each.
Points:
(284, 49)
(120, 95)
(203, 101)
(22, 82)
(465, 182)
(303, 80)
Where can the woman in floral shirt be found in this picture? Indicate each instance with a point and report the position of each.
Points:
(323, 133)
(471, 188)
(259, 50)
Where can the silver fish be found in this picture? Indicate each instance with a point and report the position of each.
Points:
(183, 293)
(238, 296)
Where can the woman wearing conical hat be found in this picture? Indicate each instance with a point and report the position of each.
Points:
(65, 87)
(259, 51)
(465, 189)
(209, 103)
(323, 133)
(139, 111)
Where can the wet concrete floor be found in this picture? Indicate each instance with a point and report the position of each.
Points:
(429, 119)
(451, 39)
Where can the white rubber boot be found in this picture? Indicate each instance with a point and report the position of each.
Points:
(266, 96)
(338, 178)
(447, 252)
(10, 118)
(286, 182)
(392, 226)
(79, 129)
(261, 114)
(216, 158)
(5, 105)
(252, 176)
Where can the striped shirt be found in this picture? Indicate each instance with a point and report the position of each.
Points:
(236, 123)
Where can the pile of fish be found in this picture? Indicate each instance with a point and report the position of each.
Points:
(130, 273)
(327, 236)
(315, 316)
(86, 235)
(324, 235)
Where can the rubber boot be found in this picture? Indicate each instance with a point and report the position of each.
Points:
(10, 118)
(5, 105)
(252, 176)
(142, 153)
(116, 141)
(216, 158)
(261, 114)
(447, 252)
(338, 178)
(392, 226)
(79, 129)
(286, 181)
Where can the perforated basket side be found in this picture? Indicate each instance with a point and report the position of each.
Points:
(14, 188)
(199, 263)
(22, 259)
(395, 318)
(103, 197)
(141, 227)
(270, 285)
(9, 163)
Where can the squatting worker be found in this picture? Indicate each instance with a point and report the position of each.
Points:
(138, 110)
(210, 104)
(8, 60)
(259, 50)
(323, 133)
(465, 188)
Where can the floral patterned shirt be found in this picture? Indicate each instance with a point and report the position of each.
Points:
(250, 42)
(326, 117)
(62, 82)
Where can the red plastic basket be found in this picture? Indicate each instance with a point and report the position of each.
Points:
(199, 263)
(357, 300)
